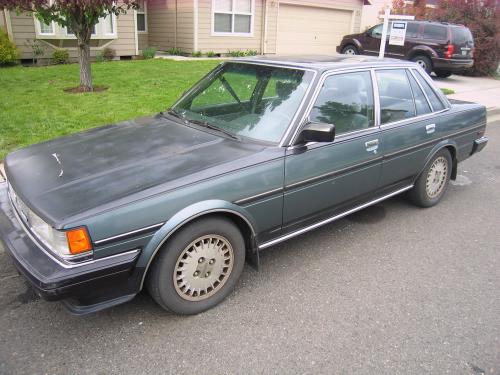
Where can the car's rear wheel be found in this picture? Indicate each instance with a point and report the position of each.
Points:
(424, 62)
(432, 184)
(350, 50)
(442, 73)
(198, 267)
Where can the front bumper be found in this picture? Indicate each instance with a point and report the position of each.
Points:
(85, 287)
(453, 65)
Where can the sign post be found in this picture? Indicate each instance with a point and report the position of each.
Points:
(398, 30)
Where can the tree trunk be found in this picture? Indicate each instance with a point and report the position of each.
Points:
(84, 61)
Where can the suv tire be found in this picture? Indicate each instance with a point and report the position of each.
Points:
(350, 49)
(443, 73)
(424, 62)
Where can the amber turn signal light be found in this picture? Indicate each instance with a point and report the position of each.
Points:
(78, 241)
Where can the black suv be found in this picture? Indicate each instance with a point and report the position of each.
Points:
(436, 46)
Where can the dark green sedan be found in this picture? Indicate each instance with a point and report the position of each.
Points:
(257, 152)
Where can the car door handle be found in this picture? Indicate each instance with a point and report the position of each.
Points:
(372, 145)
(431, 128)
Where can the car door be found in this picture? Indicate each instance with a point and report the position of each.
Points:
(408, 125)
(322, 179)
(372, 40)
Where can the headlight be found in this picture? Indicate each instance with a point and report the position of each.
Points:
(66, 244)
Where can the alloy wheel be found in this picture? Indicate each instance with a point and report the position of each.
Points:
(436, 177)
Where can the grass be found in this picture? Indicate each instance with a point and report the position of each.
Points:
(447, 91)
(34, 107)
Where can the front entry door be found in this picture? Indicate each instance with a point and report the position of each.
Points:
(322, 178)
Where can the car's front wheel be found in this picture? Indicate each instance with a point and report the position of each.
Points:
(432, 184)
(198, 267)
(350, 50)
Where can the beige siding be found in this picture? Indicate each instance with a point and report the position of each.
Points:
(272, 27)
(223, 44)
(2, 21)
(23, 30)
(162, 18)
(143, 39)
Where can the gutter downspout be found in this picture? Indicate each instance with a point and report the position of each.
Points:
(263, 44)
(136, 36)
(8, 24)
(195, 20)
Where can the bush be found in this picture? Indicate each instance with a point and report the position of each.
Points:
(482, 17)
(196, 53)
(239, 53)
(174, 51)
(149, 53)
(8, 50)
(60, 56)
(251, 52)
(108, 53)
(99, 57)
(211, 54)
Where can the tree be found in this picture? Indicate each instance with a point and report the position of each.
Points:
(80, 16)
(482, 17)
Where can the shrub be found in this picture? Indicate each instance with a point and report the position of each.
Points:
(60, 56)
(482, 17)
(108, 53)
(211, 54)
(8, 50)
(196, 53)
(149, 53)
(236, 53)
(36, 47)
(174, 51)
(251, 52)
(99, 57)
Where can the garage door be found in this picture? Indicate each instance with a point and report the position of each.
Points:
(311, 30)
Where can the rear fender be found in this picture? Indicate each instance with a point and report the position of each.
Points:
(445, 143)
(421, 50)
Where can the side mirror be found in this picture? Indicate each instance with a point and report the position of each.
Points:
(317, 132)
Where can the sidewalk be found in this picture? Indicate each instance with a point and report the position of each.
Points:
(482, 90)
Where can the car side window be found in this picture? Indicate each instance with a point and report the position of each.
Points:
(412, 30)
(376, 32)
(436, 103)
(435, 32)
(396, 99)
(345, 100)
(421, 104)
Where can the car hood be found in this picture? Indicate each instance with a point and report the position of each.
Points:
(71, 175)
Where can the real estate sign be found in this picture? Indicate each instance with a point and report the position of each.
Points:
(397, 33)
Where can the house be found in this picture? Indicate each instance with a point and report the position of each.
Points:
(219, 26)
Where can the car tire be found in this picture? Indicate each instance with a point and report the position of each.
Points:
(431, 185)
(424, 62)
(443, 73)
(198, 267)
(350, 49)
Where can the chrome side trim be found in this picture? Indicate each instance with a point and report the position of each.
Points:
(60, 262)
(329, 220)
(126, 234)
(178, 226)
(258, 196)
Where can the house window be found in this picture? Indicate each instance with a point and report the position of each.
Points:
(46, 29)
(232, 17)
(109, 24)
(142, 20)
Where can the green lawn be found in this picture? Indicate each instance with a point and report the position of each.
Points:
(34, 107)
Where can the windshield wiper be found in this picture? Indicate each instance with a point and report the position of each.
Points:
(174, 113)
(210, 126)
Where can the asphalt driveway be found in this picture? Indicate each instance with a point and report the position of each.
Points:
(393, 289)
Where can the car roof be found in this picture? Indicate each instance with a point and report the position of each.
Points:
(325, 62)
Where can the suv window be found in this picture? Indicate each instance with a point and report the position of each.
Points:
(345, 100)
(436, 103)
(435, 32)
(396, 99)
(376, 32)
(412, 30)
(421, 104)
(461, 35)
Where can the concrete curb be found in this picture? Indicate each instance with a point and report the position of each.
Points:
(491, 112)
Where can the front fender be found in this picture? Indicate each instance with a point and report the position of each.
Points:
(184, 216)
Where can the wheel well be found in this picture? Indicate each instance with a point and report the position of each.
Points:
(420, 53)
(454, 162)
(242, 224)
(349, 44)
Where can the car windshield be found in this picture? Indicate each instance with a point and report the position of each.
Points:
(246, 100)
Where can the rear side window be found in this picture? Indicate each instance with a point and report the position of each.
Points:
(412, 30)
(436, 103)
(461, 35)
(396, 99)
(345, 100)
(421, 104)
(435, 32)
